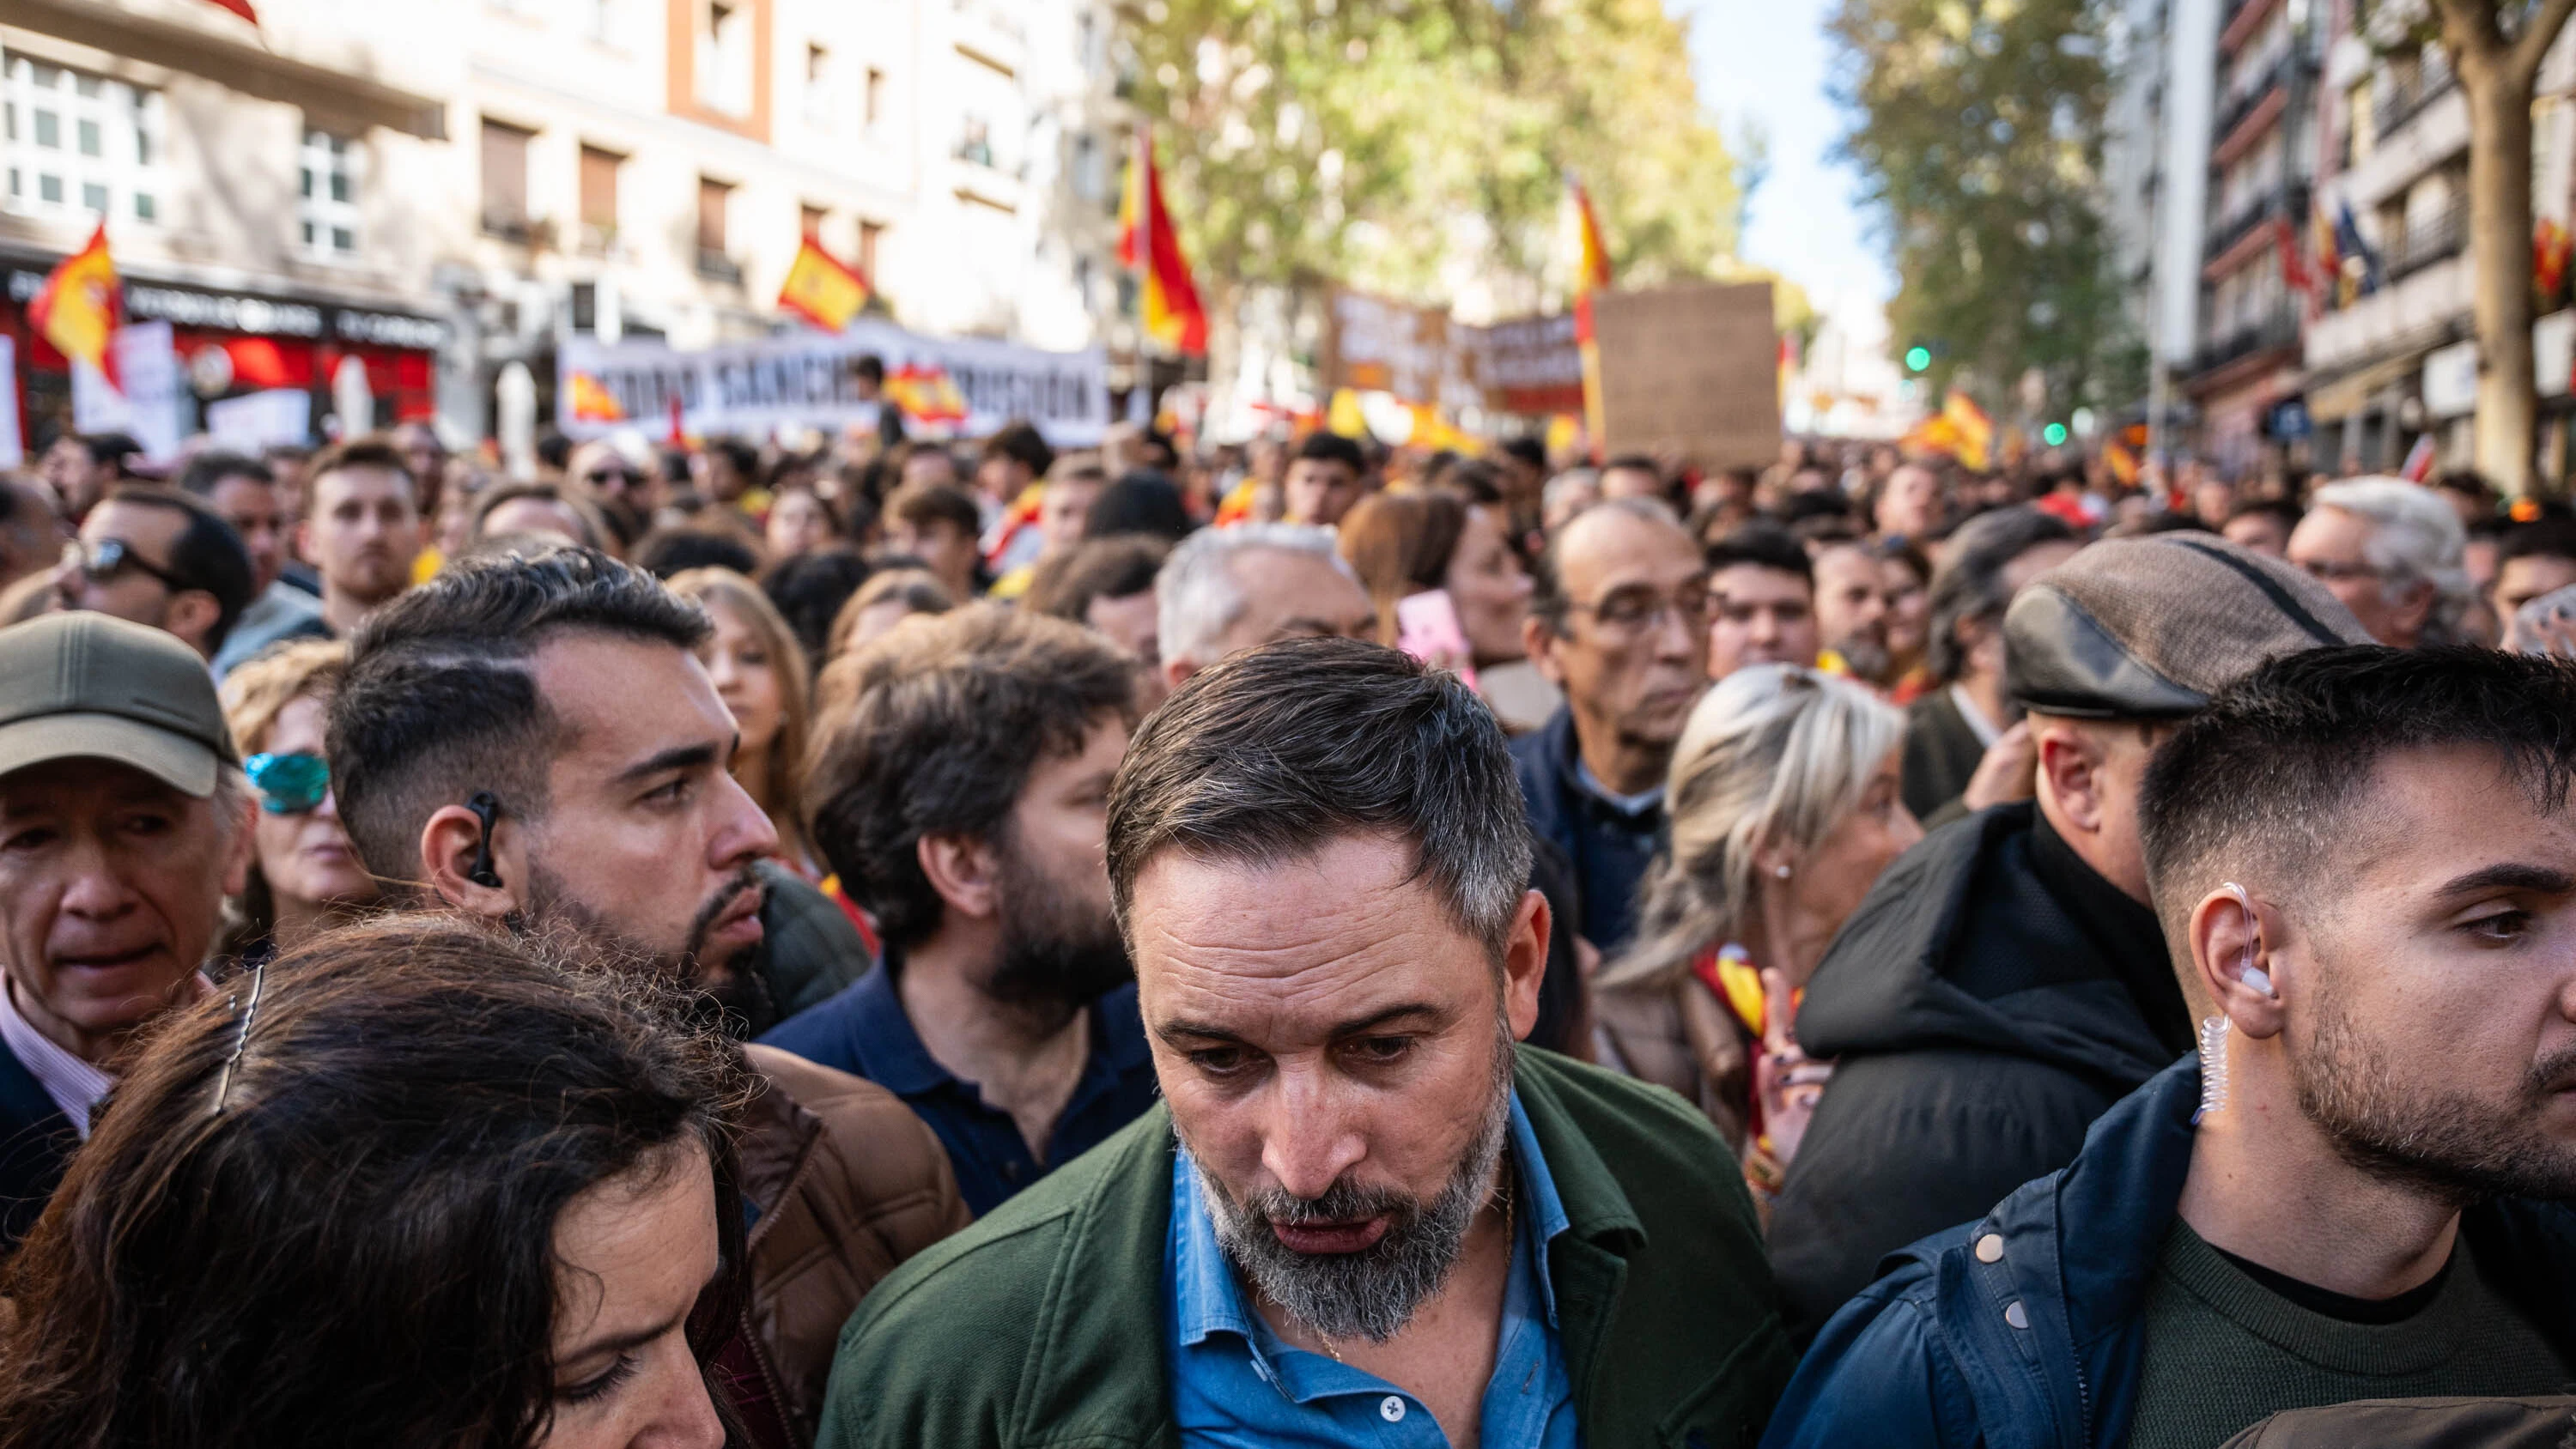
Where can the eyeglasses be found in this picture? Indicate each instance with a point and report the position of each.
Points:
(1628, 611)
(2327, 571)
(290, 784)
(104, 560)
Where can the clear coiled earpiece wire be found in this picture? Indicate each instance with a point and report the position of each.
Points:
(2213, 1028)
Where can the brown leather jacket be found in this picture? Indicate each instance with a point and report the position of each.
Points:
(848, 1183)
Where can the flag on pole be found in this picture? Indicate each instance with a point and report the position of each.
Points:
(81, 307)
(1149, 247)
(822, 289)
(1591, 275)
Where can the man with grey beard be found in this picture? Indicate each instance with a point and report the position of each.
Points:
(1361, 1213)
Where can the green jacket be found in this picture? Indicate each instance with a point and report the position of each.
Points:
(1044, 1324)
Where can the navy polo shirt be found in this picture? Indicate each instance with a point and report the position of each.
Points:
(865, 1031)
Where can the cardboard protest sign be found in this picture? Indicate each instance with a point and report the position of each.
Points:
(1692, 370)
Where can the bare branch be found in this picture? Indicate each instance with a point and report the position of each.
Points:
(2537, 37)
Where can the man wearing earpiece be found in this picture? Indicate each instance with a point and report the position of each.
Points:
(2006, 981)
(2365, 861)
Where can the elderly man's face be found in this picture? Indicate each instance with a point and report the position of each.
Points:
(1334, 1048)
(111, 888)
(1633, 656)
(2333, 546)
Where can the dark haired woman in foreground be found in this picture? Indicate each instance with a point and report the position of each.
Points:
(412, 1187)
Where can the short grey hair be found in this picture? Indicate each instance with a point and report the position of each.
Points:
(2415, 538)
(1567, 484)
(1282, 750)
(1198, 596)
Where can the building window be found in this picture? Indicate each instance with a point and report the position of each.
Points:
(870, 233)
(599, 199)
(724, 61)
(873, 103)
(327, 208)
(809, 221)
(81, 143)
(715, 198)
(818, 87)
(505, 179)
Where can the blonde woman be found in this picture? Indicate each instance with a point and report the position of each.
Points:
(1785, 806)
(760, 675)
(305, 875)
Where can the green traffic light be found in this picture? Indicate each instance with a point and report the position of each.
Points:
(2053, 435)
(1917, 358)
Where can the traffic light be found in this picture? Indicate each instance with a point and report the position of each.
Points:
(1917, 357)
(2054, 435)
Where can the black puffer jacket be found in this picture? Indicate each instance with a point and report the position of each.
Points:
(1990, 998)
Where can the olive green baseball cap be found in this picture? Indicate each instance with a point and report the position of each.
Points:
(87, 686)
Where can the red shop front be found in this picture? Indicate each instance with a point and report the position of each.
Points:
(232, 343)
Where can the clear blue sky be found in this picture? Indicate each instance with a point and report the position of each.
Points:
(1765, 60)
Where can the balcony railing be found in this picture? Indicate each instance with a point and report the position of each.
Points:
(2401, 101)
(508, 225)
(2235, 108)
(715, 266)
(2279, 328)
(2284, 199)
(2433, 239)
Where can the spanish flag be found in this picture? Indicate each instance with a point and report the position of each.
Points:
(1973, 433)
(81, 307)
(592, 402)
(1591, 274)
(821, 289)
(1149, 247)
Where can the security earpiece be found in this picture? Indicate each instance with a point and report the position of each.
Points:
(2249, 973)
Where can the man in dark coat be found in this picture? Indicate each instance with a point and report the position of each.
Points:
(2366, 861)
(1620, 623)
(2005, 982)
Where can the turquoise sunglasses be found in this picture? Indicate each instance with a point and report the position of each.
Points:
(289, 784)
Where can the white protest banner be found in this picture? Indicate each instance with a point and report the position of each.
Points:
(965, 386)
(144, 402)
(253, 421)
(13, 448)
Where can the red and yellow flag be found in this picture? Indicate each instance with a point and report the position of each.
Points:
(1972, 431)
(821, 288)
(81, 307)
(1591, 274)
(594, 403)
(1149, 247)
(926, 393)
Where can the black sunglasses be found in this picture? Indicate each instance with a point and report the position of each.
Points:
(109, 557)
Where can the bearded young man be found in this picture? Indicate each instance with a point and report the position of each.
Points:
(1361, 1214)
(531, 742)
(961, 793)
(2365, 862)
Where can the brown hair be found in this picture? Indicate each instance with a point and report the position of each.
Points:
(1096, 568)
(713, 588)
(932, 730)
(922, 504)
(373, 450)
(915, 589)
(1399, 544)
(337, 1207)
(261, 688)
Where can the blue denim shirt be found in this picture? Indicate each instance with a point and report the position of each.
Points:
(1236, 1383)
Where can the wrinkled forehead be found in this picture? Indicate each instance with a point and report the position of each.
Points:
(1299, 943)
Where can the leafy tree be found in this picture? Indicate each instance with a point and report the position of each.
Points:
(2495, 48)
(1396, 144)
(1977, 127)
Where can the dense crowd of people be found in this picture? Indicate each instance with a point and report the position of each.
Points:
(900, 943)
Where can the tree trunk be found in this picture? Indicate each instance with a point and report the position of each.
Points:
(2499, 99)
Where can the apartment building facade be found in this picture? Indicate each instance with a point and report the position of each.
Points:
(445, 191)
